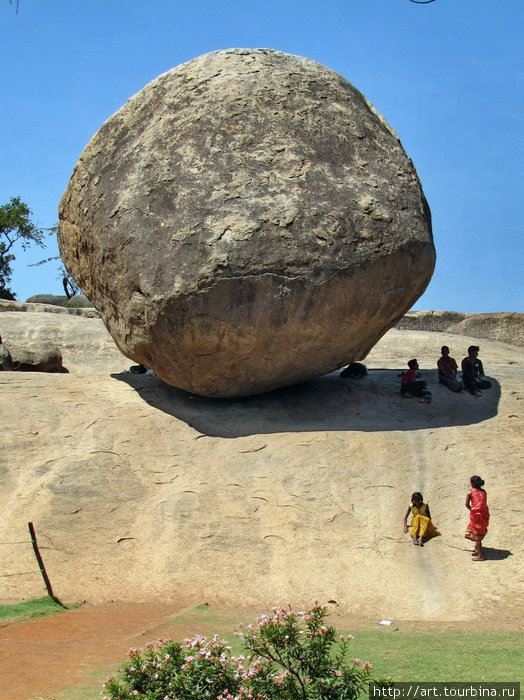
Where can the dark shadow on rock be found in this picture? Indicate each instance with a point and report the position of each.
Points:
(327, 403)
(429, 540)
(496, 554)
(31, 368)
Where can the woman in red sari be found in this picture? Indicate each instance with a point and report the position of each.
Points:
(476, 502)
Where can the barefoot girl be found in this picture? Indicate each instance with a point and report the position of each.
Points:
(476, 502)
(421, 526)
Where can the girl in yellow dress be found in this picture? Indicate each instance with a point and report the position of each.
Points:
(421, 526)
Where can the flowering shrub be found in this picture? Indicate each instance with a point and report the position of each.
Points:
(290, 656)
(197, 669)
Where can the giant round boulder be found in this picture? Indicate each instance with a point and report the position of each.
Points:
(246, 221)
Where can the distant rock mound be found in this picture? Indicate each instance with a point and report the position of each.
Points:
(32, 307)
(246, 221)
(506, 327)
(54, 299)
(81, 301)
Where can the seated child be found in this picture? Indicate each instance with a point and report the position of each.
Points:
(411, 386)
(421, 526)
(473, 372)
(447, 370)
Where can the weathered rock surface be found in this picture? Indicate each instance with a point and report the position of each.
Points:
(35, 356)
(246, 221)
(81, 336)
(140, 492)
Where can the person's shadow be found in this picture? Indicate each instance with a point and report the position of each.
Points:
(492, 554)
(327, 403)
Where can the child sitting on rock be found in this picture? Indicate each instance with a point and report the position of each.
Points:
(421, 526)
(447, 370)
(411, 386)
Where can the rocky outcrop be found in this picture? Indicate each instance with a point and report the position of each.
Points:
(78, 335)
(246, 221)
(54, 299)
(506, 327)
(47, 308)
(36, 356)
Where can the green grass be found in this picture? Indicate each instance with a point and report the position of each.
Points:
(40, 607)
(437, 655)
(405, 656)
(206, 615)
(87, 691)
(442, 655)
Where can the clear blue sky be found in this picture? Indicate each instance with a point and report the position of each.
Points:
(447, 76)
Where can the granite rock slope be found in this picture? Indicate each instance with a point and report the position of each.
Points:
(141, 492)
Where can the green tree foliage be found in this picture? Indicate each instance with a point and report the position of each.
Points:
(15, 227)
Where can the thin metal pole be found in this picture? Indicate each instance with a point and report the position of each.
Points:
(42, 567)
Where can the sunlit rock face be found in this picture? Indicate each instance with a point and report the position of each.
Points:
(246, 221)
